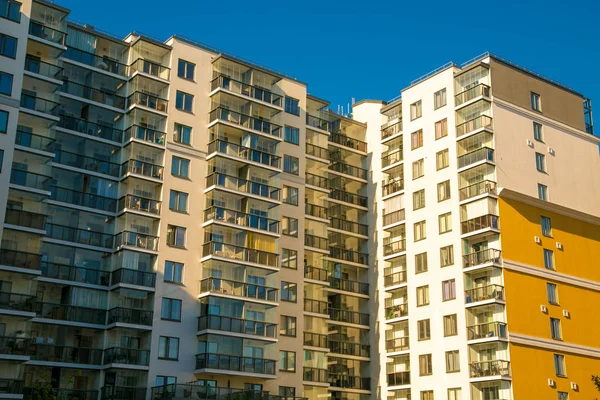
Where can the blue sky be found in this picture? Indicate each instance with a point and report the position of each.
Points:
(373, 49)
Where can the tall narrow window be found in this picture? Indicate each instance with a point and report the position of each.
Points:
(552, 293)
(425, 365)
(3, 121)
(423, 329)
(422, 296)
(182, 134)
(420, 263)
(536, 102)
(540, 162)
(446, 256)
(548, 259)
(559, 365)
(6, 83)
(449, 290)
(452, 361)
(418, 168)
(542, 192)
(537, 132)
(450, 325)
(443, 191)
(420, 231)
(416, 110)
(419, 199)
(185, 69)
(442, 160)
(555, 330)
(546, 226)
(439, 99)
(184, 101)
(441, 129)
(416, 139)
(445, 223)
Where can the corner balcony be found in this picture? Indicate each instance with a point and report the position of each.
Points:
(315, 340)
(244, 153)
(20, 259)
(103, 63)
(349, 255)
(75, 274)
(90, 128)
(132, 202)
(483, 257)
(53, 36)
(129, 316)
(315, 273)
(245, 121)
(485, 295)
(120, 355)
(318, 375)
(133, 277)
(315, 306)
(87, 163)
(244, 186)
(35, 142)
(254, 92)
(477, 189)
(219, 323)
(148, 101)
(488, 221)
(317, 181)
(349, 382)
(95, 95)
(316, 242)
(349, 226)
(242, 365)
(43, 107)
(347, 285)
(396, 311)
(397, 344)
(318, 152)
(349, 317)
(82, 199)
(80, 236)
(142, 169)
(25, 219)
(64, 354)
(481, 90)
(239, 289)
(238, 253)
(496, 369)
(64, 312)
(481, 122)
(398, 378)
(394, 278)
(30, 180)
(350, 349)
(485, 154)
(241, 219)
(316, 211)
(17, 304)
(347, 141)
(351, 198)
(490, 330)
(145, 135)
(316, 122)
(390, 130)
(390, 187)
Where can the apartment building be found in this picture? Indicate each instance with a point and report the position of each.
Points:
(155, 243)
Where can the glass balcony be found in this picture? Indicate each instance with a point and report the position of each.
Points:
(83, 199)
(472, 93)
(398, 378)
(26, 219)
(180, 391)
(247, 90)
(315, 375)
(316, 151)
(347, 141)
(90, 128)
(397, 344)
(489, 368)
(314, 273)
(136, 239)
(147, 100)
(245, 153)
(351, 317)
(123, 393)
(129, 316)
(484, 153)
(316, 180)
(38, 29)
(39, 67)
(315, 210)
(20, 259)
(17, 302)
(487, 330)
(396, 311)
(390, 187)
(39, 104)
(317, 122)
(102, 62)
(150, 68)
(349, 381)
(350, 349)
(239, 289)
(87, 163)
(133, 277)
(315, 306)
(390, 130)
(477, 189)
(316, 242)
(60, 393)
(63, 312)
(394, 217)
(137, 203)
(349, 226)
(240, 253)
(392, 158)
(235, 363)
(489, 292)
(120, 355)
(392, 247)
(348, 169)
(243, 185)
(315, 340)
(482, 222)
(349, 286)
(483, 121)
(246, 121)
(11, 386)
(75, 274)
(394, 278)
(65, 354)
(349, 255)
(144, 134)
(142, 168)
(82, 236)
(347, 197)
(481, 257)
(237, 325)
(30, 179)
(241, 219)
(33, 141)
(99, 96)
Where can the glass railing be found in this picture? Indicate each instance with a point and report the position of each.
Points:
(394, 278)
(396, 311)
(243, 185)
(315, 210)
(349, 255)
(120, 355)
(180, 391)
(150, 68)
(87, 163)
(347, 141)
(239, 289)
(349, 381)
(391, 130)
(315, 306)
(392, 158)
(147, 100)
(30, 179)
(39, 104)
(397, 344)
(246, 121)
(349, 226)
(237, 325)
(484, 153)
(316, 241)
(43, 68)
(137, 203)
(487, 330)
(315, 340)
(241, 219)
(20, 259)
(142, 168)
(101, 62)
(482, 222)
(89, 200)
(347, 197)
(98, 95)
(314, 273)
(391, 247)
(38, 29)
(65, 354)
(477, 189)
(470, 94)
(63, 312)
(350, 349)
(489, 292)
(483, 121)
(245, 153)
(247, 90)
(133, 277)
(136, 239)
(75, 274)
(235, 363)
(59, 394)
(351, 317)
(34, 141)
(489, 368)
(481, 257)
(17, 301)
(26, 219)
(123, 393)
(316, 180)
(317, 151)
(394, 217)
(240, 253)
(349, 285)
(348, 169)
(11, 386)
(389, 187)
(129, 316)
(315, 375)
(317, 122)
(81, 236)
(90, 128)
(398, 378)
(144, 134)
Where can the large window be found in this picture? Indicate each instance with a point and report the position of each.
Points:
(420, 263)
(446, 256)
(287, 326)
(168, 348)
(289, 292)
(289, 259)
(536, 101)
(292, 106)
(6, 82)
(445, 223)
(291, 165)
(450, 325)
(452, 361)
(3, 121)
(180, 167)
(171, 309)
(184, 101)
(416, 139)
(176, 236)
(416, 110)
(537, 132)
(290, 195)
(443, 189)
(418, 168)
(559, 365)
(448, 290)
(540, 162)
(555, 330)
(552, 293)
(162, 380)
(424, 329)
(546, 226)
(419, 199)
(422, 296)
(173, 272)
(425, 365)
(420, 229)
(178, 201)
(291, 134)
(185, 69)
(442, 159)
(439, 99)
(441, 129)
(287, 361)
(182, 134)
(8, 44)
(11, 10)
(289, 226)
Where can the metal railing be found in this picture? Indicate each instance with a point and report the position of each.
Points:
(396, 311)
(391, 130)
(129, 316)
(315, 306)
(234, 252)
(121, 355)
(39, 104)
(315, 273)
(347, 197)
(315, 210)
(349, 255)
(150, 68)
(101, 62)
(89, 200)
(38, 29)
(348, 169)
(33, 141)
(392, 157)
(257, 124)
(239, 289)
(11, 386)
(237, 325)
(483, 153)
(105, 97)
(245, 153)
(489, 292)
(26, 219)
(471, 93)
(136, 239)
(254, 92)
(147, 100)
(350, 349)
(20, 259)
(138, 203)
(397, 344)
(235, 363)
(349, 226)
(133, 277)
(75, 274)
(315, 340)
(349, 285)
(394, 278)
(122, 393)
(316, 180)
(315, 375)
(142, 168)
(487, 330)
(316, 122)
(144, 134)
(349, 381)
(243, 185)
(90, 128)
(477, 189)
(77, 235)
(351, 317)
(241, 219)
(481, 257)
(316, 151)
(17, 301)
(482, 222)
(177, 391)
(389, 187)
(398, 378)
(396, 246)
(64, 312)
(489, 368)
(317, 242)
(347, 141)
(40, 67)
(30, 179)
(394, 217)
(60, 393)
(85, 162)
(65, 354)
(483, 121)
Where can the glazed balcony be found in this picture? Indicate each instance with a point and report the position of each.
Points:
(317, 122)
(481, 369)
(226, 362)
(243, 185)
(396, 311)
(239, 253)
(393, 246)
(483, 121)
(394, 217)
(349, 255)
(81, 236)
(397, 344)
(239, 289)
(349, 381)
(75, 274)
(316, 242)
(30, 179)
(476, 189)
(142, 168)
(17, 302)
(78, 198)
(133, 277)
(129, 316)
(350, 349)
(120, 355)
(349, 226)
(122, 393)
(25, 219)
(64, 312)
(246, 121)
(350, 170)
(42, 68)
(180, 391)
(87, 163)
(317, 180)
(351, 317)
(245, 89)
(349, 285)
(349, 142)
(60, 393)
(20, 259)
(472, 93)
(316, 151)
(390, 187)
(9, 386)
(150, 68)
(64, 354)
(33, 141)
(315, 306)
(96, 95)
(391, 158)
(314, 273)
(482, 257)
(241, 219)
(315, 340)
(101, 62)
(237, 325)
(475, 156)
(244, 153)
(144, 134)
(398, 378)
(487, 221)
(39, 104)
(394, 278)
(347, 197)
(41, 31)
(90, 128)
(315, 210)
(489, 292)
(147, 100)
(390, 130)
(487, 331)
(315, 375)
(137, 203)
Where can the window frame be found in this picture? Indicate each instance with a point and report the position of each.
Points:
(287, 159)
(178, 196)
(7, 17)
(450, 256)
(285, 264)
(445, 221)
(292, 332)
(420, 169)
(542, 192)
(425, 360)
(417, 107)
(559, 365)
(180, 162)
(455, 360)
(176, 229)
(170, 302)
(284, 197)
(443, 97)
(421, 259)
(4, 129)
(284, 355)
(450, 321)
(445, 159)
(540, 162)
(294, 133)
(179, 135)
(546, 230)
(293, 107)
(423, 327)
(422, 295)
(12, 80)
(552, 293)
(443, 129)
(290, 221)
(555, 329)
(174, 266)
(418, 142)
(549, 259)
(182, 105)
(3, 37)
(536, 101)
(538, 133)
(186, 69)
(419, 199)
(292, 289)
(167, 352)
(446, 186)
(449, 289)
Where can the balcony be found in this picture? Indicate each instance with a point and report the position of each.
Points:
(41, 31)
(17, 302)
(239, 289)
(30, 179)
(120, 355)
(11, 387)
(315, 210)
(81, 236)
(349, 381)
(476, 189)
(347, 197)
(315, 274)
(349, 255)
(494, 368)
(315, 340)
(242, 88)
(65, 354)
(237, 325)
(122, 393)
(390, 158)
(133, 277)
(489, 292)
(90, 128)
(241, 219)
(350, 170)
(239, 253)
(129, 316)
(75, 274)
(144, 134)
(25, 219)
(349, 226)
(394, 278)
(39, 104)
(483, 121)
(316, 242)
(394, 217)
(390, 130)
(472, 93)
(317, 180)
(315, 306)
(350, 317)
(482, 257)
(481, 154)
(487, 331)
(147, 100)
(398, 378)
(226, 362)
(64, 312)
(396, 311)
(487, 221)
(87, 163)
(315, 375)
(390, 187)
(150, 68)
(108, 98)
(42, 68)
(317, 122)
(101, 62)
(349, 142)
(316, 151)
(60, 393)
(142, 168)
(243, 185)
(349, 286)
(397, 344)
(392, 247)
(32, 141)
(246, 121)
(180, 391)
(350, 349)
(20, 259)
(88, 200)
(244, 153)
(136, 203)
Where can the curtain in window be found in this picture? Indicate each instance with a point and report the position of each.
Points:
(81, 40)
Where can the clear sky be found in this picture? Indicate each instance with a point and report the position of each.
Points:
(370, 48)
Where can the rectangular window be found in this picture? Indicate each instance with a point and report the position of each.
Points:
(450, 325)
(171, 309)
(182, 134)
(420, 229)
(537, 132)
(427, 395)
(8, 45)
(416, 139)
(178, 201)
(184, 101)
(416, 110)
(448, 290)
(559, 365)
(452, 361)
(548, 259)
(168, 348)
(420, 263)
(445, 223)
(425, 366)
(540, 162)
(291, 134)
(290, 195)
(11, 10)
(563, 396)
(289, 259)
(424, 329)
(287, 326)
(446, 256)
(443, 189)
(292, 106)
(4, 121)
(439, 99)
(555, 330)
(287, 392)
(176, 236)
(173, 272)
(546, 226)
(442, 159)
(6, 82)
(419, 199)
(552, 293)
(287, 361)
(422, 296)
(185, 69)
(180, 167)
(454, 394)
(291, 165)
(162, 380)
(441, 129)
(536, 102)
(542, 192)
(289, 292)
(1, 159)
(418, 168)
(289, 226)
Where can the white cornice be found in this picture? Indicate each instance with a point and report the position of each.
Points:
(551, 275)
(558, 346)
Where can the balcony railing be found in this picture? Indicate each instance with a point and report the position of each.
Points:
(11, 386)
(317, 180)
(470, 94)
(133, 202)
(347, 141)
(149, 67)
(30, 179)
(142, 168)
(314, 273)
(347, 197)
(394, 278)
(237, 325)
(120, 355)
(392, 158)
(315, 340)
(39, 67)
(39, 104)
(481, 257)
(88, 163)
(144, 134)
(350, 349)
(477, 189)
(397, 246)
(245, 153)
(349, 381)
(396, 311)
(315, 306)
(351, 317)
(394, 217)
(81, 236)
(90, 128)
(129, 316)
(316, 241)
(133, 277)
(65, 312)
(235, 363)
(241, 219)
(349, 226)
(482, 222)
(487, 330)
(245, 121)
(484, 153)
(59, 393)
(17, 302)
(349, 286)
(105, 97)
(254, 92)
(489, 292)
(389, 187)
(239, 289)
(180, 391)
(349, 255)
(317, 151)
(20, 259)
(483, 121)
(123, 393)
(240, 253)
(397, 344)
(25, 219)
(38, 29)
(348, 169)
(315, 375)
(391, 130)
(89, 200)
(489, 368)
(33, 141)
(136, 239)
(315, 210)
(398, 378)
(65, 354)
(75, 274)
(102, 62)
(147, 100)
(243, 185)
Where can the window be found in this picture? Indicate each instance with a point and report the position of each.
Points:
(448, 290)
(287, 326)
(555, 330)
(452, 361)
(416, 139)
(542, 192)
(425, 367)
(420, 263)
(418, 168)
(536, 102)
(442, 159)
(287, 361)
(546, 226)
(454, 394)
(552, 293)
(184, 101)
(441, 129)
(162, 380)
(443, 189)
(175, 236)
(291, 135)
(420, 231)
(419, 199)
(289, 292)
(1, 159)
(422, 296)
(540, 162)
(8, 46)
(537, 132)
(3, 121)
(180, 167)
(178, 201)
(171, 309)
(424, 329)
(185, 69)
(168, 348)
(289, 226)
(559, 365)
(439, 99)
(292, 106)
(416, 110)
(290, 195)
(446, 256)
(548, 259)
(291, 165)
(6, 81)
(11, 10)
(445, 223)
(289, 259)
(427, 395)
(563, 396)
(450, 325)
(182, 134)
(173, 272)
(287, 391)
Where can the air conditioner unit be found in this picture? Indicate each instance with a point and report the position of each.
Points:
(574, 386)
(543, 309)
(537, 239)
(529, 143)
(559, 245)
(566, 314)
(551, 382)
(550, 151)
